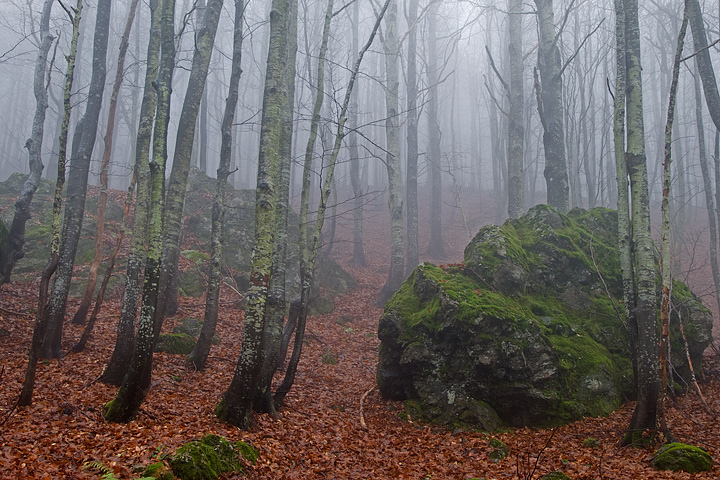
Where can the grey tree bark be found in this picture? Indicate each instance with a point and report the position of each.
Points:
(40, 326)
(516, 126)
(136, 381)
(411, 180)
(125, 339)
(236, 405)
(392, 158)
(77, 181)
(81, 313)
(198, 357)
(11, 245)
(434, 160)
(550, 106)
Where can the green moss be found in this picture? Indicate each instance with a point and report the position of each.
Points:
(247, 451)
(591, 442)
(158, 471)
(205, 459)
(682, 457)
(191, 282)
(499, 452)
(328, 358)
(175, 343)
(556, 475)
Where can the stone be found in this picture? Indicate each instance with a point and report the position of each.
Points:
(682, 457)
(524, 333)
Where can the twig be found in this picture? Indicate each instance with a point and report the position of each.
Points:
(693, 379)
(363, 425)
(10, 312)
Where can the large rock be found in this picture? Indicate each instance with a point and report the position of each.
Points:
(527, 330)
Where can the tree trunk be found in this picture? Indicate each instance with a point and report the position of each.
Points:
(707, 73)
(435, 248)
(77, 181)
(516, 128)
(236, 404)
(309, 258)
(11, 246)
(392, 159)
(125, 339)
(552, 116)
(276, 304)
(411, 180)
(645, 416)
(40, 326)
(81, 313)
(666, 263)
(137, 379)
(198, 357)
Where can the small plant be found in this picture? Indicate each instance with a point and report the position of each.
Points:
(591, 442)
(329, 359)
(101, 469)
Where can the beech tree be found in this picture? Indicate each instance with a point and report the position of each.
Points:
(84, 140)
(235, 407)
(11, 245)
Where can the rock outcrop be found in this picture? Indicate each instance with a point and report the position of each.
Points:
(528, 331)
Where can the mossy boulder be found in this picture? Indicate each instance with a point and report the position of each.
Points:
(210, 457)
(175, 343)
(556, 475)
(525, 330)
(682, 457)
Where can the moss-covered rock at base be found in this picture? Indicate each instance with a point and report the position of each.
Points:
(529, 327)
(682, 457)
(556, 475)
(499, 450)
(191, 282)
(210, 457)
(175, 343)
(158, 471)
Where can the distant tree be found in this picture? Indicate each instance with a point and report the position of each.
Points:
(516, 129)
(11, 246)
(82, 310)
(550, 106)
(411, 177)
(396, 273)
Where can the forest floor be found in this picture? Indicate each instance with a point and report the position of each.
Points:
(319, 433)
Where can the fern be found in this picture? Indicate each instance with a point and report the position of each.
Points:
(101, 468)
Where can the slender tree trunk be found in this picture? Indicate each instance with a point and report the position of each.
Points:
(11, 246)
(276, 304)
(236, 404)
(516, 128)
(707, 73)
(77, 181)
(81, 313)
(392, 160)
(309, 258)
(435, 248)
(136, 382)
(666, 263)
(198, 357)
(646, 415)
(411, 180)
(707, 184)
(550, 64)
(125, 339)
(358, 257)
(40, 326)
